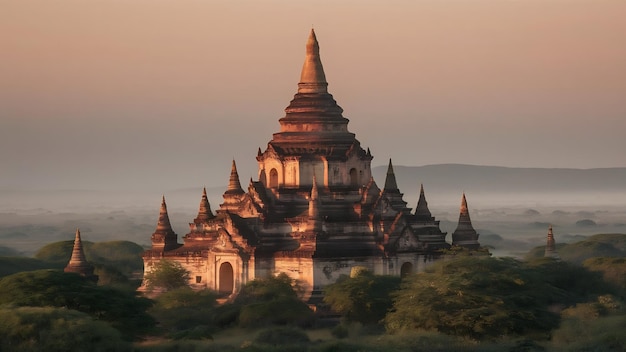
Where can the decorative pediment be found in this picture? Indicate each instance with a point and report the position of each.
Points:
(270, 153)
(407, 241)
(224, 240)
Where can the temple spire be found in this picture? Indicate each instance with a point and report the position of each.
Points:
(551, 245)
(163, 224)
(164, 238)
(390, 181)
(465, 235)
(204, 213)
(78, 262)
(421, 211)
(315, 223)
(312, 78)
(234, 186)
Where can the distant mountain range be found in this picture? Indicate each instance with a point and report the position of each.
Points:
(496, 179)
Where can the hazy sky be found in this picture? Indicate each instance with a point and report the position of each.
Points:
(118, 94)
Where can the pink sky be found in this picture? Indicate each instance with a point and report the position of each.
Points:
(161, 94)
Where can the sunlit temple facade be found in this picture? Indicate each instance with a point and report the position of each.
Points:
(314, 213)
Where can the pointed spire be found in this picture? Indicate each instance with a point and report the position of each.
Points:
(421, 211)
(204, 213)
(164, 220)
(164, 238)
(312, 78)
(314, 192)
(314, 223)
(390, 181)
(234, 186)
(78, 262)
(465, 235)
(464, 210)
(551, 245)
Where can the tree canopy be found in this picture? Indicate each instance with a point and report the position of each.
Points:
(488, 297)
(167, 274)
(272, 300)
(56, 329)
(186, 314)
(364, 298)
(54, 288)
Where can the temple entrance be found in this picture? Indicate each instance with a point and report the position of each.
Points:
(354, 178)
(226, 279)
(406, 269)
(273, 178)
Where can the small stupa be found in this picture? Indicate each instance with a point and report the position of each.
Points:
(551, 245)
(78, 262)
(465, 235)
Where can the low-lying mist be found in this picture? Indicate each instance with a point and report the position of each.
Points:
(510, 224)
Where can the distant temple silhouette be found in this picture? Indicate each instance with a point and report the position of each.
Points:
(551, 245)
(314, 212)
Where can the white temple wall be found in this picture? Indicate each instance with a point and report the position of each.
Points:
(327, 271)
(299, 269)
(313, 167)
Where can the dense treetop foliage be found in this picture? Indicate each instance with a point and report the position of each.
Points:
(12, 265)
(167, 275)
(364, 298)
(489, 297)
(272, 300)
(54, 288)
(183, 313)
(32, 329)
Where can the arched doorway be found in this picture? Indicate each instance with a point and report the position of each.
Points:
(354, 178)
(226, 279)
(273, 178)
(406, 269)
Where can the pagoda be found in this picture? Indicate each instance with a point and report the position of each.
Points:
(78, 262)
(314, 212)
(465, 235)
(551, 251)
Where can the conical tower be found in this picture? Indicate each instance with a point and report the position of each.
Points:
(234, 186)
(392, 192)
(204, 213)
(391, 186)
(78, 262)
(551, 245)
(164, 238)
(234, 194)
(465, 235)
(422, 213)
(314, 136)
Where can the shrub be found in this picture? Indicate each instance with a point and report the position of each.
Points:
(56, 329)
(340, 332)
(167, 274)
(282, 336)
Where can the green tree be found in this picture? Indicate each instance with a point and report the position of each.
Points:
(365, 298)
(123, 310)
(55, 329)
(185, 313)
(167, 274)
(474, 297)
(262, 302)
